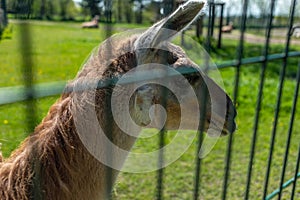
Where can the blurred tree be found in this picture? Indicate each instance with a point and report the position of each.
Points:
(119, 11)
(168, 6)
(92, 6)
(199, 27)
(157, 8)
(3, 7)
(139, 11)
(43, 9)
(63, 9)
(261, 7)
(21, 8)
(108, 10)
(128, 10)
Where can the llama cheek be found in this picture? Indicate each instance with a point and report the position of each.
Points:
(140, 115)
(173, 116)
(141, 118)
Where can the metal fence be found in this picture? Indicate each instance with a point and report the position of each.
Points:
(30, 92)
(264, 59)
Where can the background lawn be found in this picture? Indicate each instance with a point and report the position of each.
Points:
(58, 51)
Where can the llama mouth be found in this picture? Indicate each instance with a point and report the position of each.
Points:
(215, 131)
(219, 127)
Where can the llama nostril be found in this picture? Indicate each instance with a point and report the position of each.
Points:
(230, 116)
(233, 126)
(231, 111)
(144, 87)
(193, 78)
(234, 113)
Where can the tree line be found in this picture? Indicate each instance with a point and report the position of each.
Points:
(129, 11)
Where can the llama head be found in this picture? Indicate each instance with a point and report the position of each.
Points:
(150, 90)
(152, 48)
(151, 53)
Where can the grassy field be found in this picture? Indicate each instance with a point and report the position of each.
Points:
(58, 51)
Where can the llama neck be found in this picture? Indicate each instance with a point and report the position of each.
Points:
(57, 163)
(79, 173)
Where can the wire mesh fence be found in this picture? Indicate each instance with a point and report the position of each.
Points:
(283, 186)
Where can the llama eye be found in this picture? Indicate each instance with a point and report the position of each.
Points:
(191, 79)
(172, 58)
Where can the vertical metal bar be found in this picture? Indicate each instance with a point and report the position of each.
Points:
(160, 172)
(208, 36)
(168, 7)
(109, 151)
(276, 116)
(288, 141)
(199, 143)
(240, 53)
(30, 109)
(296, 175)
(202, 114)
(28, 76)
(220, 26)
(209, 20)
(259, 99)
(213, 17)
(204, 99)
(161, 143)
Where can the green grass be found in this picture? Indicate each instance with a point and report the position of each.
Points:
(58, 51)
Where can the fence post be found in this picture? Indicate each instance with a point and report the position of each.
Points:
(220, 26)
(213, 18)
(168, 6)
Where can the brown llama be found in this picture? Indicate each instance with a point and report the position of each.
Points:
(52, 163)
(228, 28)
(91, 24)
(296, 31)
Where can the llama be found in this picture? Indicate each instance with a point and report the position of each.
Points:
(296, 31)
(91, 24)
(52, 163)
(228, 28)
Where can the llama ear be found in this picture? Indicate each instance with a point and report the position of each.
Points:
(170, 26)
